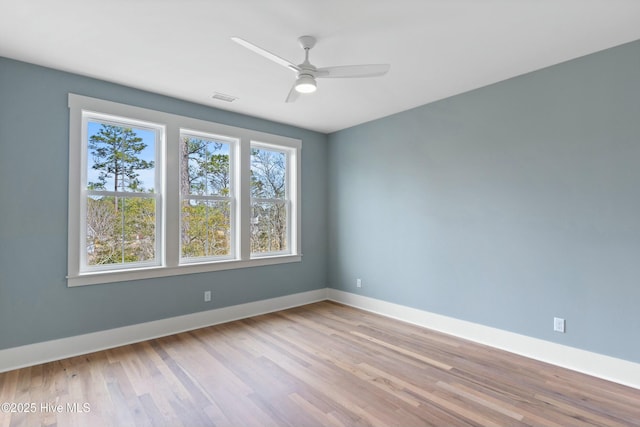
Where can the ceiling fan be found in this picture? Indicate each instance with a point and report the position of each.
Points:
(307, 72)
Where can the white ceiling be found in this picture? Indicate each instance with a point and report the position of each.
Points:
(436, 48)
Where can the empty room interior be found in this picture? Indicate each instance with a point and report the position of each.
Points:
(304, 213)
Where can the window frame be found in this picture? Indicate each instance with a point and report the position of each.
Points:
(288, 200)
(169, 255)
(233, 144)
(159, 132)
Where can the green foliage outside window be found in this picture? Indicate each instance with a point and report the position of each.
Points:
(120, 219)
(206, 220)
(121, 210)
(120, 230)
(268, 206)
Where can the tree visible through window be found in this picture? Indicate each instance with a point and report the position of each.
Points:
(155, 194)
(269, 204)
(205, 185)
(121, 206)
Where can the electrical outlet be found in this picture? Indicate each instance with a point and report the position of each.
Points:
(559, 324)
(358, 283)
(207, 296)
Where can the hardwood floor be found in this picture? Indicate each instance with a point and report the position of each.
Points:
(321, 364)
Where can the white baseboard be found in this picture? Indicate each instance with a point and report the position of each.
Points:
(598, 365)
(33, 354)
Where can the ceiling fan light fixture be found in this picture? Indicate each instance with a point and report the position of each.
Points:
(306, 84)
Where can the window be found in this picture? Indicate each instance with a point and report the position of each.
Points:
(155, 194)
(121, 195)
(207, 202)
(269, 200)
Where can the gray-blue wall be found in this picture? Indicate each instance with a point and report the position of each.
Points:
(35, 303)
(504, 206)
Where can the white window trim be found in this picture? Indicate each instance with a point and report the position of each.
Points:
(158, 194)
(170, 203)
(292, 168)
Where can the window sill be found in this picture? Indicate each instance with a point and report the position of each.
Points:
(100, 277)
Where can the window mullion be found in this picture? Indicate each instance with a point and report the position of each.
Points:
(243, 195)
(172, 201)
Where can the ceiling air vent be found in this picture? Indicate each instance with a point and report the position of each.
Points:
(223, 97)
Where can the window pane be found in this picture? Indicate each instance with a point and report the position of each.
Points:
(268, 227)
(205, 167)
(120, 158)
(120, 230)
(268, 174)
(206, 228)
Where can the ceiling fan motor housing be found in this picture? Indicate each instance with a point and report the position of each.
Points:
(307, 42)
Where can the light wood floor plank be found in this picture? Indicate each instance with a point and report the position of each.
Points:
(323, 364)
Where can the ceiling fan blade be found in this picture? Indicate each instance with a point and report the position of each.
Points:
(366, 70)
(293, 94)
(260, 51)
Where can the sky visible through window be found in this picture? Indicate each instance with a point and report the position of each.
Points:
(146, 176)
